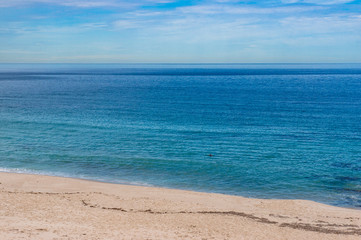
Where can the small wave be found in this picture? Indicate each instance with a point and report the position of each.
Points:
(58, 174)
(35, 172)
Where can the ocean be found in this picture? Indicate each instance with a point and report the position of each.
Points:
(285, 131)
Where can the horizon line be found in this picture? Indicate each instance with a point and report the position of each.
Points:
(176, 63)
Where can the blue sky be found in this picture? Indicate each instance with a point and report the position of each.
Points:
(209, 31)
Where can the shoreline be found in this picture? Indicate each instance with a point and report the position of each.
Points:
(47, 207)
(135, 184)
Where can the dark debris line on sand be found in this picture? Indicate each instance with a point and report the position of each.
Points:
(321, 228)
(351, 230)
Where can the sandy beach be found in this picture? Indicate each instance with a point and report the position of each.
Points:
(43, 207)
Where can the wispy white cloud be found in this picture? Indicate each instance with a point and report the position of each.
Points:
(227, 9)
(18, 51)
(74, 3)
(82, 3)
(21, 28)
(126, 24)
(91, 4)
(203, 30)
(330, 24)
(318, 2)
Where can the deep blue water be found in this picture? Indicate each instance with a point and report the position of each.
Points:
(274, 131)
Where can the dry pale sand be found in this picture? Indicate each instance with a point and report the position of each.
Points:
(42, 207)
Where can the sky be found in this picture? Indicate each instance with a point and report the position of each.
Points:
(172, 31)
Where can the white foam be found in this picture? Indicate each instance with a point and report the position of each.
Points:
(58, 174)
(35, 172)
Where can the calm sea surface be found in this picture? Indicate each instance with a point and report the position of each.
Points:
(266, 131)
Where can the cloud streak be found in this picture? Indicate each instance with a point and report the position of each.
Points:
(319, 2)
(174, 31)
(82, 3)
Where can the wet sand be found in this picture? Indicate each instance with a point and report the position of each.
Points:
(43, 207)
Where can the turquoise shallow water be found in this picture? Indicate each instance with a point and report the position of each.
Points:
(274, 131)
